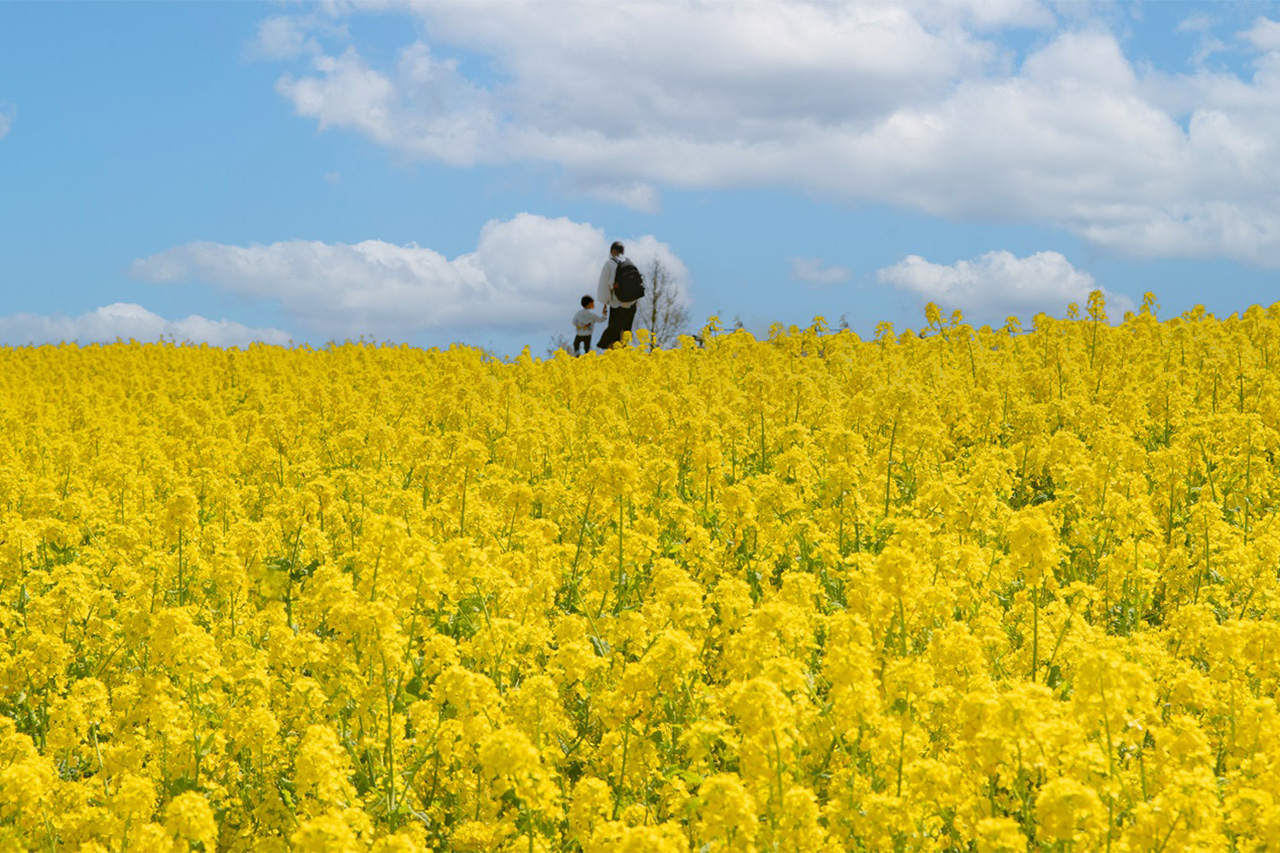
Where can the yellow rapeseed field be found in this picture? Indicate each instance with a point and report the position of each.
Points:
(958, 589)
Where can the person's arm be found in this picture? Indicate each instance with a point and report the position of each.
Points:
(605, 290)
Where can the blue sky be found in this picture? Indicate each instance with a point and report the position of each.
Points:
(453, 172)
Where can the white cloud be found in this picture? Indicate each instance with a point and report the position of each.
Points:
(813, 270)
(7, 114)
(919, 105)
(426, 110)
(636, 195)
(999, 284)
(626, 95)
(525, 273)
(280, 37)
(1201, 25)
(126, 320)
(291, 36)
(1197, 22)
(1264, 35)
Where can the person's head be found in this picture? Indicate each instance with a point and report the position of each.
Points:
(616, 248)
(588, 302)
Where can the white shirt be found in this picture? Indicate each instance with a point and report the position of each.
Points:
(604, 294)
(584, 320)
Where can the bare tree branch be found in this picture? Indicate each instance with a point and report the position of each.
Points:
(662, 311)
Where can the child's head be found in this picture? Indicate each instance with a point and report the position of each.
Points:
(588, 302)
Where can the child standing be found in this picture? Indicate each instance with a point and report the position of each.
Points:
(583, 322)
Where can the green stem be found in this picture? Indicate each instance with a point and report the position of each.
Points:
(888, 474)
(618, 603)
(462, 517)
(1035, 634)
(902, 745)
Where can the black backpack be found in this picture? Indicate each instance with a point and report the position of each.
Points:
(628, 283)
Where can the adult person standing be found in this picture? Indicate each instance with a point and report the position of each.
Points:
(619, 313)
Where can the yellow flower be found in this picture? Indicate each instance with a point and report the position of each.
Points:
(133, 798)
(1000, 835)
(591, 804)
(728, 817)
(930, 582)
(326, 832)
(1068, 811)
(189, 817)
(323, 768)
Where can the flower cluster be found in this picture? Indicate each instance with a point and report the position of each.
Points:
(973, 589)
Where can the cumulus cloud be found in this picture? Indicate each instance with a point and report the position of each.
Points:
(919, 105)
(1264, 35)
(814, 271)
(629, 94)
(999, 284)
(125, 321)
(524, 274)
(427, 109)
(291, 36)
(280, 37)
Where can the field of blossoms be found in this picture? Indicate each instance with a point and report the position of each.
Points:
(953, 589)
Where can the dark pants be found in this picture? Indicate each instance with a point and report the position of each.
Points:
(583, 341)
(620, 320)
